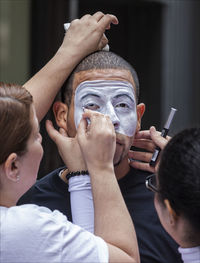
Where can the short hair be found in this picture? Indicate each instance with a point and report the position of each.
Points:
(15, 125)
(98, 60)
(179, 175)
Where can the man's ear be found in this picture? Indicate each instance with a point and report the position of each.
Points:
(60, 111)
(12, 167)
(140, 112)
(172, 214)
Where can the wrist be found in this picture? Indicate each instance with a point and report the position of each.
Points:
(76, 173)
(70, 54)
(105, 170)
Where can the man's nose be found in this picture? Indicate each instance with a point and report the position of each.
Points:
(113, 116)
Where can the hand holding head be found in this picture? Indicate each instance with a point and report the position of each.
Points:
(88, 33)
(157, 139)
(147, 141)
(68, 148)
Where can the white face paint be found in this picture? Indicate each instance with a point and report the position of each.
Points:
(113, 98)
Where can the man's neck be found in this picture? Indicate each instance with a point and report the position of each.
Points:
(122, 168)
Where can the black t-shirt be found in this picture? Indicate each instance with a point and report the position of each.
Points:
(50, 191)
(155, 245)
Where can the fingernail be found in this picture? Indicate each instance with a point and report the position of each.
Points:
(131, 160)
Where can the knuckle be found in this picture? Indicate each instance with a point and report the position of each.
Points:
(99, 13)
(75, 22)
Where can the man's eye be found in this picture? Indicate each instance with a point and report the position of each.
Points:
(122, 105)
(92, 106)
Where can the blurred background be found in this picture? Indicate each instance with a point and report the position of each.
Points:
(160, 38)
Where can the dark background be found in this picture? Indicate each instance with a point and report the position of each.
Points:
(161, 39)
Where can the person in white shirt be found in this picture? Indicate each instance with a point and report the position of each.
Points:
(35, 234)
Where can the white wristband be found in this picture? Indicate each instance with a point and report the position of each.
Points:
(82, 202)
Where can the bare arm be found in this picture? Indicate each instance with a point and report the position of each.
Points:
(84, 36)
(111, 218)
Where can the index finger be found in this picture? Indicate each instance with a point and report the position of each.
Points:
(158, 140)
(98, 15)
(145, 134)
(106, 20)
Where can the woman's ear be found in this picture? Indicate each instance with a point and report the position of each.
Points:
(172, 214)
(60, 111)
(12, 167)
(140, 112)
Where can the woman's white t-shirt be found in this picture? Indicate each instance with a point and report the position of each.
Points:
(30, 233)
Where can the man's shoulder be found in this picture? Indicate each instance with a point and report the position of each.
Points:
(44, 185)
(133, 177)
(47, 178)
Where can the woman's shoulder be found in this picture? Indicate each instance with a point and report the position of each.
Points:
(28, 208)
(30, 215)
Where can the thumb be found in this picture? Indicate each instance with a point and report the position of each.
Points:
(82, 127)
(53, 133)
(103, 42)
(63, 132)
(157, 139)
(61, 139)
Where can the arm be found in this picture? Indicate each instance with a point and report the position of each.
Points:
(81, 200)
(86, 33)
(146, 141)
(112, 221)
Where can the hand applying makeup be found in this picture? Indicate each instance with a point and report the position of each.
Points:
(99, 134)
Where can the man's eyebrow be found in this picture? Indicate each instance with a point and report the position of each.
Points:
(90, 94)
(123, 94)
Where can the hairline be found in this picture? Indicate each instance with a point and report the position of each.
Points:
(110, 60)
(72, 89)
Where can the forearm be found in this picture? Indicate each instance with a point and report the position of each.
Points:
(45, 84)
(84, 36)
(111, 218)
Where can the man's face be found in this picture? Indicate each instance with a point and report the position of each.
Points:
(111, 92)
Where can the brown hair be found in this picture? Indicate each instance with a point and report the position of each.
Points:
(15, 125)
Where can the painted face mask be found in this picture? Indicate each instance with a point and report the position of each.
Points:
(113, 98)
